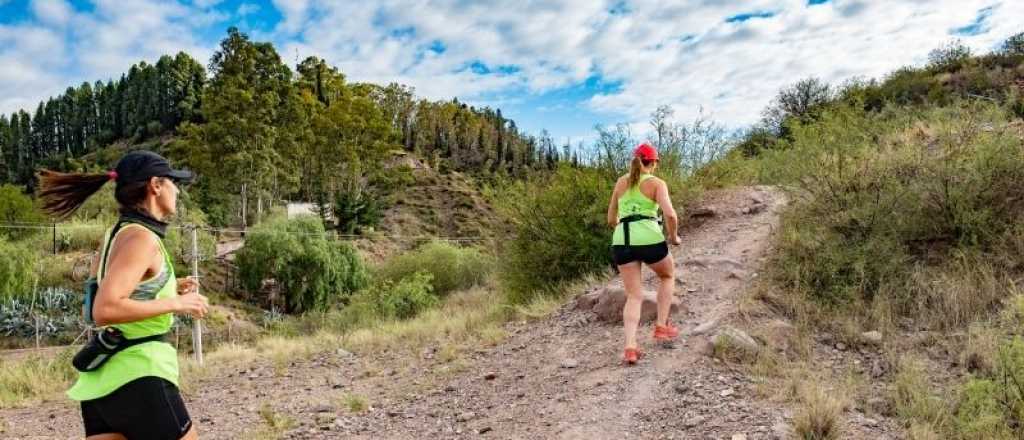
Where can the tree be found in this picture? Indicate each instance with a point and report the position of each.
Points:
(800, 101)
(250, 112)
(948, 57)
(1014, 45)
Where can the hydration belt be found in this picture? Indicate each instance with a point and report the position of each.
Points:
(625, 221)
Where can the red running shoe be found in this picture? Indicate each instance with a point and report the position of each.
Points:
(632, 355)
(665, 332)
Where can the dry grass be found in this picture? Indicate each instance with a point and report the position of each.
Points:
(34, 379)
(915, 398)
(355, 403)
(274, 424)
(819, 416)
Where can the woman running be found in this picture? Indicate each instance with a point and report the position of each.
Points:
(134, 394)
(638, 237)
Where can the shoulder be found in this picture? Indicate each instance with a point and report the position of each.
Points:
(655, 182)
(135, 238)
(622, 182)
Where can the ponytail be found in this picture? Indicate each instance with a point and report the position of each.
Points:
(634, 171)
(636, 168)
(63, 193)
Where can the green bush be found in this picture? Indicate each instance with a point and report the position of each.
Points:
(876, 196)
(560, 231)
(993, 407)
(17, 269)
(402, 299)
(451, 267)
(15, 208)
(312, 271)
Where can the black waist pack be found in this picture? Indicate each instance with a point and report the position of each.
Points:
(104, 345)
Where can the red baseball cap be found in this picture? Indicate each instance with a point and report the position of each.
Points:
(646, 152)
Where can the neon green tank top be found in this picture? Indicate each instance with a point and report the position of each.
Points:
(643, 232)
(156, 358)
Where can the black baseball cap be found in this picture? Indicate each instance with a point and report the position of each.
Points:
(141, 165)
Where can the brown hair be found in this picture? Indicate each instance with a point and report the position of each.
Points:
(63, 193)
(635, 168)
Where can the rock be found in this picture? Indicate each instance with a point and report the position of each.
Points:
(703, 212)
(879, 405)
(871, 422)
(325, 419)
(449, 389)
(726, 392)
(491, 376)
(781, 431)
(872, 337)
(737, 339)
(324, 408)
(705, 327)
(840, 346)
(682, 388)
(739, 437)
(608, 307)
(570, 363)
(878, 368)
(344, 353)
(465, 417)
(694, 421)
(711, 262)
(484, 430)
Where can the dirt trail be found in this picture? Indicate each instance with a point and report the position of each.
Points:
(560, 377)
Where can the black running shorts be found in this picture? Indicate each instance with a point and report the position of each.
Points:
(649, 254)
(145, 408)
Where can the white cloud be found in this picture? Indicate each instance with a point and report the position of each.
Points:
(55, 12)
(681, 53)
(684, 54)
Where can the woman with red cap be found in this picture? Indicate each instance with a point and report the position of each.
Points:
(639, 238)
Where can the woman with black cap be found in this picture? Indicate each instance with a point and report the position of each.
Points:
(133, 392)
(639, 238)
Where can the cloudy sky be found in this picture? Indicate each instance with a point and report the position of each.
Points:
(562, 65)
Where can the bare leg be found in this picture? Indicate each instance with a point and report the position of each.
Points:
(192, 433)
(634, 299)
(665, 269)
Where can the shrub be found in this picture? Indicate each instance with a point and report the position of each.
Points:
(876, 197)
(17, 269)
(403, 299)
(16, 207)
(451, 267)
(560, 231)
(993, 407)
(54, 311)
(312, 271)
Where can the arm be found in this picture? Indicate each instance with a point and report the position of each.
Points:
(669, 211)
(613, 206)
(124, 270)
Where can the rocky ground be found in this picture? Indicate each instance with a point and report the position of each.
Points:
(558, 377)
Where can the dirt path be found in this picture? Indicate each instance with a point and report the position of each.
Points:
(560, 377)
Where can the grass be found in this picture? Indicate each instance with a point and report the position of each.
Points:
(355, 403)
(819, 416)
(274, 424)
(31, 380)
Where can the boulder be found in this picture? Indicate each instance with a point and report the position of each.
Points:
(607, 304)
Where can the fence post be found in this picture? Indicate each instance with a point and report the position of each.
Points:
(197, 328)
(54, 239)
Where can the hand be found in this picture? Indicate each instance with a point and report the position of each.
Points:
(188, 285)
(192, 304)
(674, 240)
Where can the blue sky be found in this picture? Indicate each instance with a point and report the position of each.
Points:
(561, 65)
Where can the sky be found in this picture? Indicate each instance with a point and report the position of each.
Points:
(564, 66)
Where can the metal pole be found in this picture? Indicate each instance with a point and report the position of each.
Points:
(197, 328)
